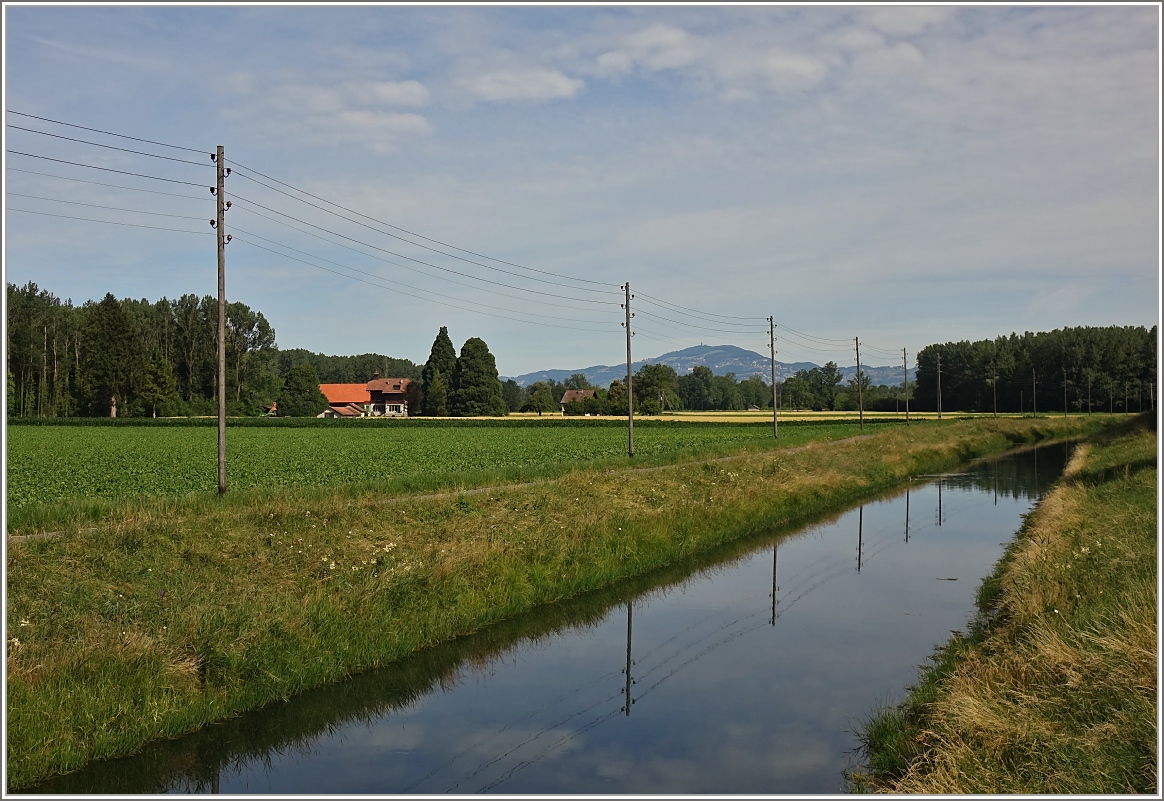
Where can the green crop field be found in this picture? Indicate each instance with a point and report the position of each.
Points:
(54, 463)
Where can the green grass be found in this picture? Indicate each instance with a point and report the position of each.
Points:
(58, 475)
(1053, 687)
(169, 616)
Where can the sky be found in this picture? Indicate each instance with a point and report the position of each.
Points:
(907, 175)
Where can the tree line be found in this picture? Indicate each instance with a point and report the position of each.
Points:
(132, 357)
(136, 358)
(1074, 369)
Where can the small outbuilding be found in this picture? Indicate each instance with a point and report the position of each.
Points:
(578, 395)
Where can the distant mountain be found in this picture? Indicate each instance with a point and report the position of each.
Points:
(721, 359)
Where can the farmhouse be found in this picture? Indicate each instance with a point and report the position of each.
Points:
(380, 397)
(575, 395)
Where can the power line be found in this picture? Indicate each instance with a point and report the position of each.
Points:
(693, 325)
(387, 261)
(110, 222)
(698, 316)
(823, 340)
(420, 236)
(409, 286)
(99, 183)
(109, 133)
(696, 311)
(408, 294)
(410, 258)
(99, 206)
(106, 169)
(111, 147)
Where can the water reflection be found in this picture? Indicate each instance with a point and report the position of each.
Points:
(724, 699)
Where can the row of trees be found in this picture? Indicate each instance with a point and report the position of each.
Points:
(460, 386)
(658, 388)
(133, 357)
(1073, 369)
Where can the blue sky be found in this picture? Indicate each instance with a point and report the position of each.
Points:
(907, 175)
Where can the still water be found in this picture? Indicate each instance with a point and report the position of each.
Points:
(733, 687)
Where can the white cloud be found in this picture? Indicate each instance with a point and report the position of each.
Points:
(366, 122)
(396, 93)
(731, 65)
(530, 83)
(906, 20)
(887, 60)
(855, 39)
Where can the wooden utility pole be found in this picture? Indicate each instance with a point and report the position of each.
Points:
(1125, 397)
(1034, 408)
(1064, 391)
(939, 386)
(630, 395)
(860, 395)
(905, 383)
(772, 349)
(1088, 393)
(221, 226)
(994, 386)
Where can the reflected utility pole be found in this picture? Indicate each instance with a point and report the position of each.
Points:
(907, 515)
(860, 531)
(774, 587)
(939, 503)
(629, 681)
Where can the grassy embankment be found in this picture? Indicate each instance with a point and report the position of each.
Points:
(1053, 687)
(156, 624)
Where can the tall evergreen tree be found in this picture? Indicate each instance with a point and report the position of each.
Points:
(436, 396)
(476, 388)
(112, 358)
(158, 385)
(443, 358)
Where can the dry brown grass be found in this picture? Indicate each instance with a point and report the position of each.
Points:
(1060, 696)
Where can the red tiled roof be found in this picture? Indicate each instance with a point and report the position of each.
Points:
(346, 393)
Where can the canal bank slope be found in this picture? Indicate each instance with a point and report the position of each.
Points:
(157, 624)
(1053, 688)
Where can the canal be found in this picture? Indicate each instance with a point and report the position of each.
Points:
(745, 673)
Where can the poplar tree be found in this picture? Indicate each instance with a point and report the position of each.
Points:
(443, 359)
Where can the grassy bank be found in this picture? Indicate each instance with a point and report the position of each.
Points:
(1053, 687)
(164, 619)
